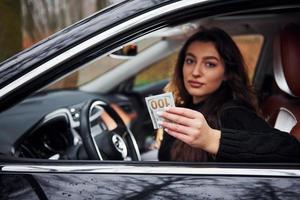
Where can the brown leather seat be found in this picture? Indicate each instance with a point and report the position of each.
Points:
(295, 131)
(283, 109)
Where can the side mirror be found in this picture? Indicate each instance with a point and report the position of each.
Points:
(126, 52)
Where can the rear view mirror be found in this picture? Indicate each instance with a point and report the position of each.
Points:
(126, 52)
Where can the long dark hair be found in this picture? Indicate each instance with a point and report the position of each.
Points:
(236, 86)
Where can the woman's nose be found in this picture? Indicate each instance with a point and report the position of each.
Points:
(197, 71)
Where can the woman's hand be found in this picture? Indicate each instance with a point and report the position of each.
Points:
(191, 127)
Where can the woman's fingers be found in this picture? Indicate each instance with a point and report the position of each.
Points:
(192, 114)
(182, 116)
(178, 119)
(190, 127)
(185, 130)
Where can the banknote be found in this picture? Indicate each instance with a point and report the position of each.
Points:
(158, 103)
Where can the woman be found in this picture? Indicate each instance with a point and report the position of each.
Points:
(211, 83)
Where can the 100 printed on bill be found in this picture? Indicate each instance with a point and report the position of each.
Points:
(158, 103)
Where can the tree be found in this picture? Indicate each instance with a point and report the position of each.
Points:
(10, 28)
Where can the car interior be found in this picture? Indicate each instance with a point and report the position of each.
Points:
(74, 117)
(282, 108)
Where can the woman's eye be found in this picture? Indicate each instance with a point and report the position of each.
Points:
(210, 64)
(189, 61)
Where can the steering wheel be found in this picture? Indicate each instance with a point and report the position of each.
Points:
(102, 142)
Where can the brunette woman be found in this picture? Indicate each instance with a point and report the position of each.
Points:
(216, 115)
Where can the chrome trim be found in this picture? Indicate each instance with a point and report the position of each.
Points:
(73, 124)
(61, 112)
(94, 41)
(97, 114)
(135, 146)
(64, 112)
(278, 68)
(96, 103)
(148, 170)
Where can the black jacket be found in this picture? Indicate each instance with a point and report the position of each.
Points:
(245, 137)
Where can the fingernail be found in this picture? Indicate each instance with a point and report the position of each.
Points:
(166, 130)
(159, 113)
(160, 122)
(167, 108)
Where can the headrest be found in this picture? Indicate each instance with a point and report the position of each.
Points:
(287, 60)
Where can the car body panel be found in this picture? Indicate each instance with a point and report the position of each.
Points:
(156, 181)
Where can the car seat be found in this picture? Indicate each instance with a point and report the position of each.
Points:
(282, 110)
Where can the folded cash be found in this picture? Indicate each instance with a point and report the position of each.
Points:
(158, 103)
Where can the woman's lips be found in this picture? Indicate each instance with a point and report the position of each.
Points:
(195, 84)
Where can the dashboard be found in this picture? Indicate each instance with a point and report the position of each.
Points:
(46, 125)
(50, 138)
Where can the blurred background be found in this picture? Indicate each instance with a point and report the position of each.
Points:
(25, 22)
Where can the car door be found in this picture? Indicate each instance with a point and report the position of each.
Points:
(23, 178)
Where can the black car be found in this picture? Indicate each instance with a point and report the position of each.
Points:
(74, 124)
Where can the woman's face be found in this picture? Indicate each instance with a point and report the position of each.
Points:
(203, 70)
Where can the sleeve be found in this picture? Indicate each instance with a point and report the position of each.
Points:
(245, 137)
(242, 118)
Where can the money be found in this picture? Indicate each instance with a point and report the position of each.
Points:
(158, 103)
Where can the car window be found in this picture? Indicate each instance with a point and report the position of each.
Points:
(99, 66)
(156, 72)
(128, 101)
(250, 47)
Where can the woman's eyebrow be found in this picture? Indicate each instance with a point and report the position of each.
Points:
(211, 57)
(190, 54)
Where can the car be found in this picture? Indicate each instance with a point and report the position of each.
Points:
(74, 122)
